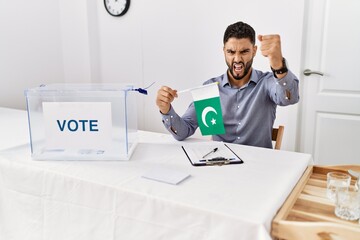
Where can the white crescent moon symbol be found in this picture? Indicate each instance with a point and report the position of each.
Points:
(206, 111)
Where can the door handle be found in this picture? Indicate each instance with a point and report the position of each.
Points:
(308, 72)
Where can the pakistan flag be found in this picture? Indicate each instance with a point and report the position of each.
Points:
(208, 109)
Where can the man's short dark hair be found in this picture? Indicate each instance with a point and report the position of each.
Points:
(239, 30)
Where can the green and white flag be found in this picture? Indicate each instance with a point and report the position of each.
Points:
(208, 109)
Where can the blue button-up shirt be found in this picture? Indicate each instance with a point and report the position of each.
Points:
(248, 112)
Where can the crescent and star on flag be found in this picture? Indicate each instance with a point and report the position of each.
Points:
(205, 112)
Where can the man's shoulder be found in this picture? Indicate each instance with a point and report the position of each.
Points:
(218, 79)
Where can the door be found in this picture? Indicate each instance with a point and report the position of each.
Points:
(330, 109)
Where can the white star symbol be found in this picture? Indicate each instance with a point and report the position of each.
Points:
(213, 121)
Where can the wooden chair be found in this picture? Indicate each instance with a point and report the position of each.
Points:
(277, 135)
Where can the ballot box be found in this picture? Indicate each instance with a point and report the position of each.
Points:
(82, 121)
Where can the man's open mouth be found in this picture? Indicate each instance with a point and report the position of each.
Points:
(238, 67)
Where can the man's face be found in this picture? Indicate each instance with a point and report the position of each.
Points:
(239, 55)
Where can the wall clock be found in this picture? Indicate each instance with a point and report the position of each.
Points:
(117, 8)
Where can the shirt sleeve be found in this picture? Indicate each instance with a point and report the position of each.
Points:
(181, 127)
(285, 91)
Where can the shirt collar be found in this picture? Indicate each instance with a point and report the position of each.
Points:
(253, 78)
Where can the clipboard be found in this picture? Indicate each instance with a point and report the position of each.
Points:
(211, 155)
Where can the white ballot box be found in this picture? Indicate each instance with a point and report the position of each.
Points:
(82, 121)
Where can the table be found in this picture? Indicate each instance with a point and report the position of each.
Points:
(110, 200)
(14, 129)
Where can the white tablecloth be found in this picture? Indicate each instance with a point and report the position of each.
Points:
(87, 200)
(14, 129)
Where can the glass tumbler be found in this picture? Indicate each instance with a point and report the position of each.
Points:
(347, 204)
(336, 181)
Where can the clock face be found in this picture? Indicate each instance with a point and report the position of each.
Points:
(117, 8)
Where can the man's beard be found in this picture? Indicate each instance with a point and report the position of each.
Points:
(246, 69)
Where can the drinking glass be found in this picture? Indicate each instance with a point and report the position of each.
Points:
(336, 181)
(347, 204)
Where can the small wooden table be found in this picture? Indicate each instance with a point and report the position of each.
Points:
(308, 214)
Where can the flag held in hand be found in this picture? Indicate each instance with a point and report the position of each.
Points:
(208, 109)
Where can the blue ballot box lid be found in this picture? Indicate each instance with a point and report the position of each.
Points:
(78, 88)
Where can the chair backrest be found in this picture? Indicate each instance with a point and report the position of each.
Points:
(277, 135)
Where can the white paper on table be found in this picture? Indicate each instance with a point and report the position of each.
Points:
(166, 175)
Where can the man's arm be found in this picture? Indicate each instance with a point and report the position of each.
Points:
(180, 128)
(286, 89)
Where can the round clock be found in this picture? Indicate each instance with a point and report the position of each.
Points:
(117, 8)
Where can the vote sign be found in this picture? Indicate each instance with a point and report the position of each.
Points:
(77, 125)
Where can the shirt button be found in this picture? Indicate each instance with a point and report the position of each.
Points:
(238, 138)
(171, 116)
(238, 107)
(284, 84)
(239, 123)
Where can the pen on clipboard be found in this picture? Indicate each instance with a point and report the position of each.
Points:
(212, 151)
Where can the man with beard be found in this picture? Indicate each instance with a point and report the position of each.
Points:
(248, 97)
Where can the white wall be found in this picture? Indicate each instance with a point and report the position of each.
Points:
(30, 48)
(174, 43)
